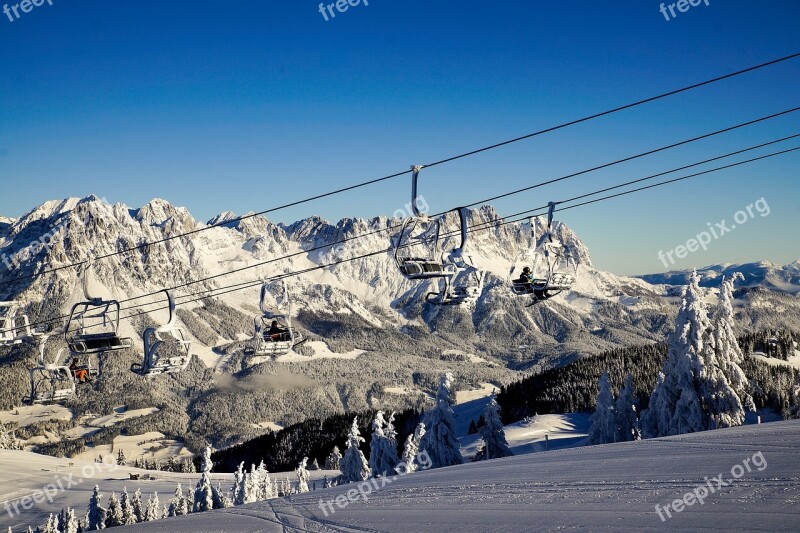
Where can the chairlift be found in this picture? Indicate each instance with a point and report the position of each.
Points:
(166, 350)
(15, 327)
(51, 382)
(83, 336)
(466, 283)
(274, 334)
(545, 270)
(416, 250)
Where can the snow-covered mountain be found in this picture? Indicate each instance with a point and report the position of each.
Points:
(371, 332)
(760, 274)
(603, 310)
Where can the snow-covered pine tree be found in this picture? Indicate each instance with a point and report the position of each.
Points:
(694, 394)
(222, 499)
(391, 432)
(97, 515)
(121, 458)
(204, 492)
(354, 465)
(128, 515)
(178, 505)
(113, 512)
(251, 486)
(383, 451)
(8, 441)
(314, 465)
(265, 487)
(441, 440)
(333, 460)
(603, 428)
(302, 476)
(729, 353)
(495, 444)
(52, 524)
(238, 485)
(411, 449)
(152, 511)
(626, 420)
(69, 522)
(138, 506)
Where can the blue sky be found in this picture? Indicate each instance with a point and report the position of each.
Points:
(245, 105)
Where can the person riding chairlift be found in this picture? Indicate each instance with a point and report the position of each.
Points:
(80, 374)
(525, 279)
(276, 332)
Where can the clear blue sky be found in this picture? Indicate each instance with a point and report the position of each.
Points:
(243, 105)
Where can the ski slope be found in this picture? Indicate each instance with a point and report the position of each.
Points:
(600, 488)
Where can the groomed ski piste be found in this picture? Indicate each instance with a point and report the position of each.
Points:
(613, 487)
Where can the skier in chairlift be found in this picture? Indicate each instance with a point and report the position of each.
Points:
(276, 332)
(80, 374)
(525, 279)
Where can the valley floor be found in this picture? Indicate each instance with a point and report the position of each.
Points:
(614, 487)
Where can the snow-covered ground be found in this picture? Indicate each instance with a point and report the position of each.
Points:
(614, 487)
(538, 434)
(792, 361)
(27, 474)
(27, 415)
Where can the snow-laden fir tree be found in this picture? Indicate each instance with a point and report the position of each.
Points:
(354, 465)
(391, 431)
(333, 460)
(52, 524)
(128, 515)
(251, 485)
(694, 394)
(729, 354)
(382, 451)
(97, 515)
(441, 440)
(68, 523)
(138, 506)
(266, 487)
(151, 511)
(627, 422)
(495, 444)
(411, 449)
(239, 485)
(8, 441)
(314, 465)
(114, 512)
(121, 458)
(204, 492)
(302, 476)
(178, 506)
(603, 428)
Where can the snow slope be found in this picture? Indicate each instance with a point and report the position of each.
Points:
(601, 488)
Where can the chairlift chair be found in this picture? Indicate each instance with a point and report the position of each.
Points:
(281, 342)
(15, 327)
(416, 250)
(159, 341)
(51, 382)
(465, 284)
(84, 338)
(553, 269)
